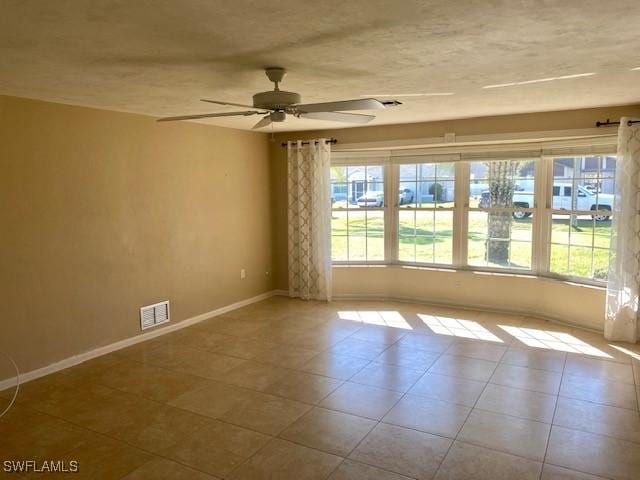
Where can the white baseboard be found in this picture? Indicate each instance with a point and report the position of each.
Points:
(167, 328)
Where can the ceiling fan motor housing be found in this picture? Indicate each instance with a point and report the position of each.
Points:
(276, 100)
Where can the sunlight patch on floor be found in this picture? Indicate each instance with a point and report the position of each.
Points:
(632, 354)
(458, 327)
(550, 340)
(387, 318)
(463, 328)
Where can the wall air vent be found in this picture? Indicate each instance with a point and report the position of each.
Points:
(153, 315)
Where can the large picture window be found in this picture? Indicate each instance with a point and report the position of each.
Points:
(357, 221)
(544, 215)
(426, 199)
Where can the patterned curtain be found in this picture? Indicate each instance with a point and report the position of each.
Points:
(309, 220)
(623, 289)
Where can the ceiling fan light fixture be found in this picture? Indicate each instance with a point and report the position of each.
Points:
(278, 116)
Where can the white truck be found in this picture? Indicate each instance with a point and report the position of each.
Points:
(585, 200)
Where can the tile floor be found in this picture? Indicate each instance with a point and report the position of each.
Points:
(285, 389)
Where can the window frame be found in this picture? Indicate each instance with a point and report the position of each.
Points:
(550, 211)
(534, 223)
(396, 225)
(542, 211)
(367, 161)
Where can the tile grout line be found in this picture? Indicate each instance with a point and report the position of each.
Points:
(597, 476)
(555, 410)
(635, 366)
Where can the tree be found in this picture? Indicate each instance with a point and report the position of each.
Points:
(500, 175)
(437, 191)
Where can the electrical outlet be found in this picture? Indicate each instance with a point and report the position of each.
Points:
(243, 274)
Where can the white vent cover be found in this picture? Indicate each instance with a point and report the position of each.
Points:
(153, 315)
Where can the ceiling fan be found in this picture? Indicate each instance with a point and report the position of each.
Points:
(275, 105)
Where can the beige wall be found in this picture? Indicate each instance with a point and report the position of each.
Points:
(554, 299)
(104, 212)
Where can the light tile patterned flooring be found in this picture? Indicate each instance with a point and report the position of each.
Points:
(286, 389)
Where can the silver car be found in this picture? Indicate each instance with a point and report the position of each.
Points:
(371, 199)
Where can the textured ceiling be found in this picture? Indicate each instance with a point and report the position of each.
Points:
(159, 57)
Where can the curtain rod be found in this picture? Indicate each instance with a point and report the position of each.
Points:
(331, 141)
(609, 122)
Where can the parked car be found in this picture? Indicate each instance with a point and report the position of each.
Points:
(562, 200)
(584, 200)
(376, 199)
(406, 196)
(371, 199)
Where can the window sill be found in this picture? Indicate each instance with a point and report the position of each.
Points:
(474, 271)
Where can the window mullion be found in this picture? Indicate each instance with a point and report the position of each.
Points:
(543, 186)
(391, 212)
(461, 207)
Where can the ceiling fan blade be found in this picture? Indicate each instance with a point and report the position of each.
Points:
(227, 103)
(338, 117)
(209, 115)
(344, 105)
(264, 121)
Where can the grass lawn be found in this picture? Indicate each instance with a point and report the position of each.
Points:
(580, 250)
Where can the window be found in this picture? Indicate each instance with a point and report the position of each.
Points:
(581, 204)
(426, 194)
(500, 216)
(357, 220)
(480, 214)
